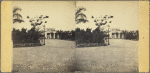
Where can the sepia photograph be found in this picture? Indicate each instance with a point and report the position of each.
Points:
(107, 36)
(75, 36)
(43, 35)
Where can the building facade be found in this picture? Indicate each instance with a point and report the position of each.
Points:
(51, 33)
(115, 33)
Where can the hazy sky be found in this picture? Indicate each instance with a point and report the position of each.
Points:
(126, 13)
(61, 14)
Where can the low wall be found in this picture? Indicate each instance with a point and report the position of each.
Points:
(90, 45)
(40, 42)
(26, 45)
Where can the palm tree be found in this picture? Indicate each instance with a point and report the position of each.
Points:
(17, 17)
(82, 16)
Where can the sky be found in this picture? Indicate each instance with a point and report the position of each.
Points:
(61, 14)
(125, 14)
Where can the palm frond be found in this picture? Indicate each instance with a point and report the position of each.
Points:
(17, 15)
(15, 9)
(81, 20)
(81, 14)
(79, 10)
(18, 20)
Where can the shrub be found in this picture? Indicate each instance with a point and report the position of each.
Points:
(132, 35)
(87, 36)
(23, 37)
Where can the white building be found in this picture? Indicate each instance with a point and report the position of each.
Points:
(115, 33)
(51, 33)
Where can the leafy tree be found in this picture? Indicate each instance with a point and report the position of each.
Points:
(37, 21)
(97, 36)
(137, 35)
(72, 34)
(33, 35)
(131, 35)
(34, 32)
(88, 35)
(19, 36)
(100, 21)
(77, 29)
(16, 16)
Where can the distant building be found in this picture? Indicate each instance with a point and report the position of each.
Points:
(51, 33)
(115, 33)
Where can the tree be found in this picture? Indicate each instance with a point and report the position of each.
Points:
(37, 21)
(79, 16)
(72, 35)
(87, 36)
(102, 20)
(137, 35)
(16, 16)
(34, 32)
(19, 36)
(99, 35)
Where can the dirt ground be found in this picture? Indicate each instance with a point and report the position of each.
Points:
(62, 56)
(55, 56)
(120, 56)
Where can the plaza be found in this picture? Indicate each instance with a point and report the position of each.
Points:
(120, 56)
(50, 57)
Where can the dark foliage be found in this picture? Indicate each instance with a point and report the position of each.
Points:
(131, 35)
(87, 36)
(18, 20)
(67, 35)
(22, 36)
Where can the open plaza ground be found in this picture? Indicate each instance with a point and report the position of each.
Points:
(55, 56)
(61, 55)
(120, 56)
